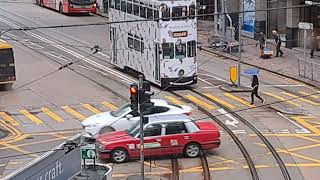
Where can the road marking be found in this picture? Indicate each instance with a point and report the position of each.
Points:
(304, 165)
(51, 114)
(242, 101)
(302, 129)
(304, 147)
(9, 119)
(301, 120)
(281, 99)
(302, 99)
(109, 105)
(203, 80)
(233, 122)
(74, 113)
(91, 108)
(215, 77)
(220, 101)
(18, 149)
(199, 102)
(283, 85)
(34, 143)
(175, 100)
(30, 116)
(308, 94)
(308, 138)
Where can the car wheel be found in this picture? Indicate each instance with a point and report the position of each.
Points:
(60, 8)
(192, 150)
(119, 155)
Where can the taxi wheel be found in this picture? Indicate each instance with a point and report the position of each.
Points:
(192, 150)
(119, 155)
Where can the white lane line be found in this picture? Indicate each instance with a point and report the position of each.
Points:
(301, 130)
(283, 85)
(215, 77)
(104, 55)
(126, 79)
(203, 80)
(233, 121)
(56, 55)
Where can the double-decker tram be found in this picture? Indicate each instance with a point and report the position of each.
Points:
(69, 6)
(163, 48)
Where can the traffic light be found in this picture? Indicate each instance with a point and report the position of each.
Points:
(134, 98)
(144, 100)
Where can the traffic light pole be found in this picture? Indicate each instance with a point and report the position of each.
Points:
(141, 128)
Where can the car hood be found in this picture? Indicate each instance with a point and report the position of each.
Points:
(112, 137)
(207, 126)
(102, 118)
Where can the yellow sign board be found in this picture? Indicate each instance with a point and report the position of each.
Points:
(233, 74)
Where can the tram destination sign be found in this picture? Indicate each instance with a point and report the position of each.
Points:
(180, 34)
(305, 25)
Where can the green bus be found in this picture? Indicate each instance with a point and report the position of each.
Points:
(7, 66)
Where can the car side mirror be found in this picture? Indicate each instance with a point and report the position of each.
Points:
(129, 116)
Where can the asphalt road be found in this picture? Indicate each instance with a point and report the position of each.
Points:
(46, 105)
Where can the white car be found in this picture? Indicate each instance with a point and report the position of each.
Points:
(121, 119)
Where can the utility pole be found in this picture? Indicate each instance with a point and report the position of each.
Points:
(141, 126)
(215, 20)
(239, 59)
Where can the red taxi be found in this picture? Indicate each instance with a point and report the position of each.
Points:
(162, 137)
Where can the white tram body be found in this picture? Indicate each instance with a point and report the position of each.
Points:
(164, 51)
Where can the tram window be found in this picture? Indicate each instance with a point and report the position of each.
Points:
(142, 46)
(130, 42)
(149, 13)
(180, 50)
(179, 11)
(137, 45)
(129, 8)
(156, 14)
(168, 50)
(166, 14)
(142, 11)
(112, 2)
(117, 4)
(192, 11)
(123, 6)
(191, 48)
(136, 9)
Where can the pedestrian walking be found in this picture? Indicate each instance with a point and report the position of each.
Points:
(255, 87)
(277, 42)
(262, 43)
(314, 43)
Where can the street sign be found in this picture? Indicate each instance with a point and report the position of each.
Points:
(63, 162)
(305, 25)
(233, 74)
(89, 151)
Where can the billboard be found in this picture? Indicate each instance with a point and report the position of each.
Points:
(249, 17)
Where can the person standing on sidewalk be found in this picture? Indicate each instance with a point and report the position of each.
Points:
(314, 43)
(278, 43)
(255, 87)
(261, 41)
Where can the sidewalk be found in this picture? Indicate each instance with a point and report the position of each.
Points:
(286, 65)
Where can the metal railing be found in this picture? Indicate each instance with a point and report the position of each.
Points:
(309, 69)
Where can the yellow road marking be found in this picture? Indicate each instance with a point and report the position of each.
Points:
(9, 119)
(51, 114)
(304, 165)
(281, 99)
(109, 105)
(308, 94)
(301, 120)
(199, 102)
(240, 100)
(302, 99)
(258, 166)
(18, 149)
(74, 113)
(91, 108)
(304, 147)
(220, 101)
(30, 116)
(307, 138)
(37, 142)
(174, 100)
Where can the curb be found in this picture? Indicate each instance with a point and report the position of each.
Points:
(288, 112)
(268, 70)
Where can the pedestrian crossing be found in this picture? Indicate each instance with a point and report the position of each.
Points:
(80, 112)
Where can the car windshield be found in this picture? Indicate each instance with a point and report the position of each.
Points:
(134, 129)
(173, 104)
(120, 112)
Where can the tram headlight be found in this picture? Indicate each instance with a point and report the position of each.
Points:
(181, 73)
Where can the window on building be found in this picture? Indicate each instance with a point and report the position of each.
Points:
(176, 128)
(129, 8)
(166, 14)
(168, 50)
(136, 9)
(192, 11)
(117, 4)
(192, 47)
(123, 6)
(180, 50)
(179, 11)
(142, 11)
